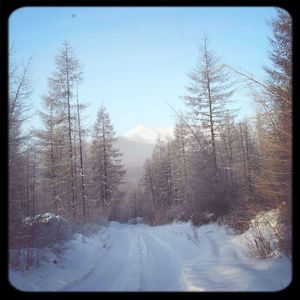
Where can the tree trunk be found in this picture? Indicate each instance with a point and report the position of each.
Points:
(70, 138)
(81, 164)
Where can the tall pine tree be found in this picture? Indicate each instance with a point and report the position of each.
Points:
(107, 169)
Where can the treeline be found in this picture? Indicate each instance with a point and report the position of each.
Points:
(220, 169)
(54, 168)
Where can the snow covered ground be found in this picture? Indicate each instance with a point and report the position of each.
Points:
(174, 257)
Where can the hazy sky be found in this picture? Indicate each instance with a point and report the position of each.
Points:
(135, 59)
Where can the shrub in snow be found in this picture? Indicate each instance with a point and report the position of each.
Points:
(202, 218)
(44, 229)
(263, 236)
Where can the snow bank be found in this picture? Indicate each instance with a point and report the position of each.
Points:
(63, 264)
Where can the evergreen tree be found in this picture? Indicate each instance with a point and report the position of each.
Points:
(107, 170)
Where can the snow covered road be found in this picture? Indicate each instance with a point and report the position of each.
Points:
(137, 262)
(175, 257)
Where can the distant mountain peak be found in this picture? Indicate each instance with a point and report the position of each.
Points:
(143, 134)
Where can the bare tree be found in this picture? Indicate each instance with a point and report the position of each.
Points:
(19, 92)
(67, 74)
(148, 180)
(82, 169)
(57, 138)
(209, 92)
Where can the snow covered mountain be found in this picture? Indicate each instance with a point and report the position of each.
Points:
(138, 143)
(137, 146)
(148, 135)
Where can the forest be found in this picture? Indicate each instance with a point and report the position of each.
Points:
(214, 169)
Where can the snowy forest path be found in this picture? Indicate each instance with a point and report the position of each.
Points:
(173, 257)
(137, 262)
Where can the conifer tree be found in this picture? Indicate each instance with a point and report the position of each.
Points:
(107, 169)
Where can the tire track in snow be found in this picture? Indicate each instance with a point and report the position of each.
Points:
(163, 272)
(143, 252)
(149, 267)
(130, 278)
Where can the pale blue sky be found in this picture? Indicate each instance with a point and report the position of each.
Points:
(135, 58)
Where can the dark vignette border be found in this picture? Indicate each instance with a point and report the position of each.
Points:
(9, 6)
